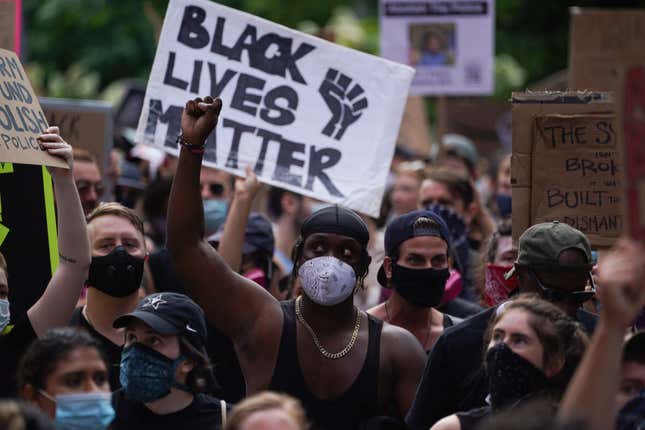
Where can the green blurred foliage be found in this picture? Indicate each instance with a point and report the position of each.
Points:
(76, 48)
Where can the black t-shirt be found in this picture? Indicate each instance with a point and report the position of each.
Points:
(454, 379)
(13, 346)
(204, 413)
(112, 351)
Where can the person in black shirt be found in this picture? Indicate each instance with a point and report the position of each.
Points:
(554, 261)
(417, 245)
(118, 251)
(165, 368)
(533, 349)
(341, 364)
(54, 307)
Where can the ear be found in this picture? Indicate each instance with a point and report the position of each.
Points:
(387, 267)
(470, 212)
(289, 203)
(554, 368)
(28, 393)
(186, 366)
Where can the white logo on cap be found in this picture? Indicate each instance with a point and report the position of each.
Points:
(189, 328)
(154, 302)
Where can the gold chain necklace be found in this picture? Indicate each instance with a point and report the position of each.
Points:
(387, 315)
(323, 351)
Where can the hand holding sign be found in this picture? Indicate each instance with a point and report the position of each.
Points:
(51, 141)
(199, 118)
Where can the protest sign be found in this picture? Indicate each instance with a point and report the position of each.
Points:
(21, 118)
(451, 44)
(10, 24)
(83, 124)
(28, 237)
(309, 116)
(632, 105)
(602, 42)
(566, 163)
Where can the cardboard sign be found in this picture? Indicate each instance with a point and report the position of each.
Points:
(309, 116)
(602, 42)
(10, 24)
(21, 118)
(28, 236)
(566, 164)
(451, 44)
(83, 124)
(633, 129)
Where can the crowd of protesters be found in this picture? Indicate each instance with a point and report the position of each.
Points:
(188, 298)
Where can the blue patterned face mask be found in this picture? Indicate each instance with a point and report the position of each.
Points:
(5, 314)
(146, 374)
(82, 411)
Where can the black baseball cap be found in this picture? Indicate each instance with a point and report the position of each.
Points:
(402, 228)
(258, 235)
(339, 220)
(169, 314)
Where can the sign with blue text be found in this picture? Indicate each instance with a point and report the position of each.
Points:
(307, 115)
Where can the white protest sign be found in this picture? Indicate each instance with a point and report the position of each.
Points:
(308, 115)
(450, 43)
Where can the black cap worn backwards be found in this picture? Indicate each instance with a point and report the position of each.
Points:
(169, 314)
(339, 220)
(403, 228)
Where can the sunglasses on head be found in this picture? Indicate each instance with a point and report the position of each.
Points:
(555, 295)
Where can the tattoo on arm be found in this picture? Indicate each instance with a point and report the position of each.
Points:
(66, 259)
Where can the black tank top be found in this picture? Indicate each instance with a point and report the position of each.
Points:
(356, 404)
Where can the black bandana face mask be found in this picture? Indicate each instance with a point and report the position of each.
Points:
(511, 377)
(117, 274)
(421, 287)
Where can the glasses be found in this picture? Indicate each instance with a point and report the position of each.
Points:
(84, 187)
(556, 295)
(215, 188)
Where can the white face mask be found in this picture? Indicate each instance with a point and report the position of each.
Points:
(327, 281)
(5, 314)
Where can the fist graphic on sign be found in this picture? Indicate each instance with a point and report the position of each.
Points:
(346, 104)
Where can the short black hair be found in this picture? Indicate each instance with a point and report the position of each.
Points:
(274, 201)
(44, 354)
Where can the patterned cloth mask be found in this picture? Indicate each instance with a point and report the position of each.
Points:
(497, 288)
(146, 374)
(511, 377)
(326, 280)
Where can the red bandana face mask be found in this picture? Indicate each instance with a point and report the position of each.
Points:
(497, 289)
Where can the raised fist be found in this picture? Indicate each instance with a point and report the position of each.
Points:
(199, 118)
(346, 105)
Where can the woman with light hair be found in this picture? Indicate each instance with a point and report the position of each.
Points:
(268, 411)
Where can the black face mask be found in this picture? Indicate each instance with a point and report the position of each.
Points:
(511, 377)
(117, 274)
(421, 287)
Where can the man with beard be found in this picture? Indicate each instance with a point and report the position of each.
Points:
(287, 211)
(344, 366)
(417, 247)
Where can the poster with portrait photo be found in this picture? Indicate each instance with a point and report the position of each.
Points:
(449, 43)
